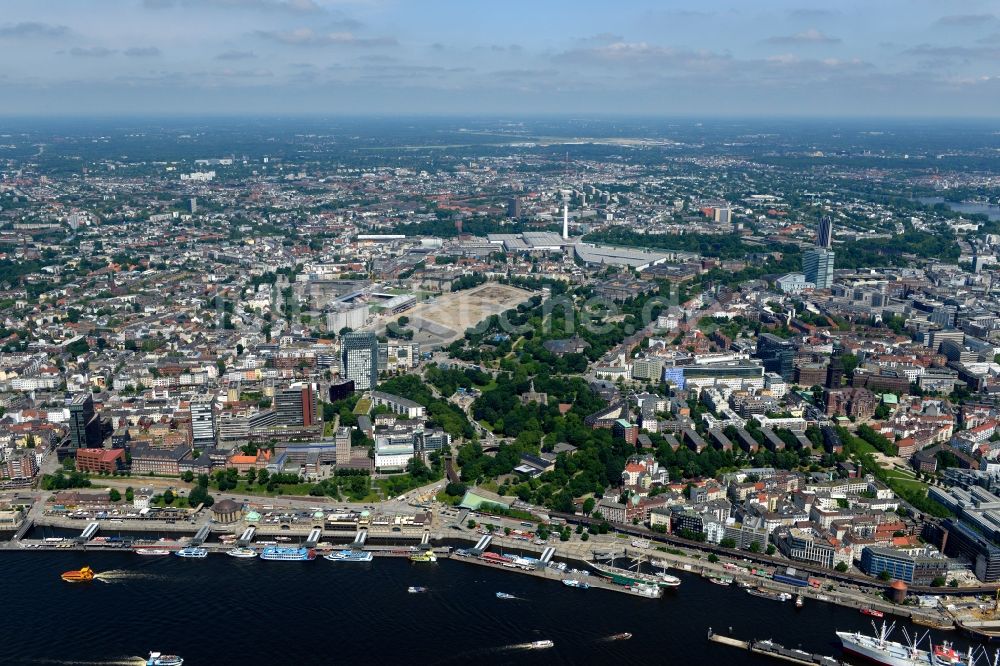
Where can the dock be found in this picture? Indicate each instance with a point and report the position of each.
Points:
(774, 650)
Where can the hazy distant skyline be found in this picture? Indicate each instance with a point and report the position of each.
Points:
(631, 57)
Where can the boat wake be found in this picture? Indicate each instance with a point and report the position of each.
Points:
(119, 661)
(122, 576)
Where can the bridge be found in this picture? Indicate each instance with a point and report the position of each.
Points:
(360, 539)
(315, 534)
(483, 543)
(88, 532)
(202, 535)
(547, 555)
(24, 529)
(246, 537)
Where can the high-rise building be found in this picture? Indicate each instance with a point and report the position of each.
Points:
(514, 207)
(359, 351)
(202, 421)
(817, 265)
(193, 204)
(296, 405)
(84, 423)
(824, 234)
(342, 439)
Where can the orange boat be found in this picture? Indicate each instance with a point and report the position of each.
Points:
(84, 575)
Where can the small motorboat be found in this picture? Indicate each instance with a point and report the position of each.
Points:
(541, 645)
(160, 659)
(415, 589)
(84, 575)
(504, 595)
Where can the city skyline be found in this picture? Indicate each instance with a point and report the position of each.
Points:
(778, 58)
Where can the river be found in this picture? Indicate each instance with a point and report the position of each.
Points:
(989, 210)
(221, 610)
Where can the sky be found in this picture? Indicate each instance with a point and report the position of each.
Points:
(802, 58)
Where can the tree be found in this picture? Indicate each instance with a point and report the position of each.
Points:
(187, 476)
(713, 558)
(584, 537)
(953, 582)
(251, 476)
(588, 506)
(168, 497)
(771, 549)
(939, 581)
(841, 567)
(471, 524)
(114, 495)
(263, 476)
(884, 576)
(728, 543)
(129, 494)
(754, 547)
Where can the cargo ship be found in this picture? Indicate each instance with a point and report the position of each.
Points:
(429, 556)
(880, 650)
(160, 659)
(349, 556)
(192, 552)
(282, 554)
(84, 575)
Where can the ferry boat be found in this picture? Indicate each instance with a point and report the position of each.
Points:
(282, 554)
(541, 645)
(415, 589)
(192, 552)
(84, 575)
(880, 650)
(572, 582)
(242, 553)
(152, 552)
(428, 556)
(349, 556)
(504, 595)
(725, 581)
(873, 612)
(768, 594)
(159, 659)
(646, 591)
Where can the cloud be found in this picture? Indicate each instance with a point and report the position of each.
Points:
(310, 37)
(810, 36)
(292, 6)
(32, 30)
(965, 20)
(954, 52)
(236, 55)
(642, 54)
(142, 52)
(810, 13)
(91, 52)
